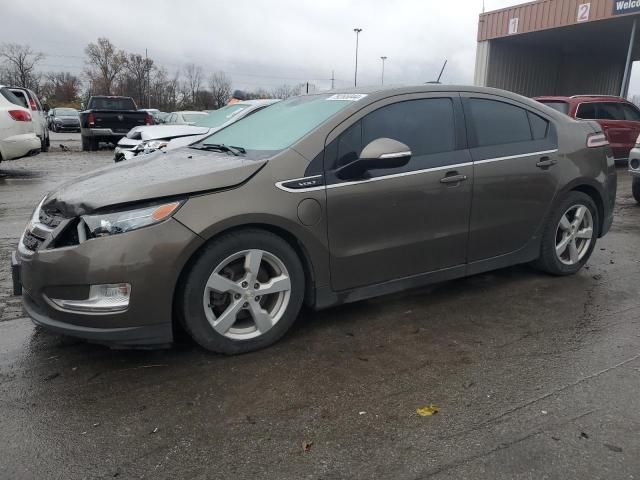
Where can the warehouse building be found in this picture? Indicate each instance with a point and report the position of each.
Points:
(559, 47)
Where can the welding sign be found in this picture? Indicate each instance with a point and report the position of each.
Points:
(621, 6)
(513, 25)
(583, 12)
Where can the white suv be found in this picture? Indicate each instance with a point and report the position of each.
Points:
(17, 135)
(29, 100)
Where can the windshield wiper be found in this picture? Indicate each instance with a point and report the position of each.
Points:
(220, 147)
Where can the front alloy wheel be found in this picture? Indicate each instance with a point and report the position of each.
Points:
(242, 292)
(247, 294)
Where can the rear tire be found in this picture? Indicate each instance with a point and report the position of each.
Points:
(46, 144)
(242, 293)
(86, 146)
(570, 235)
(635, 188)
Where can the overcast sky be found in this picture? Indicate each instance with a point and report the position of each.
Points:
(263, 43)
(259, 42)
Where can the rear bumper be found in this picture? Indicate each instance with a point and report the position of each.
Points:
(102, 132)
(19, 146)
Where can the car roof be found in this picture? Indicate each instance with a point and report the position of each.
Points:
(582, 98)
(191, 112)
(261, 101)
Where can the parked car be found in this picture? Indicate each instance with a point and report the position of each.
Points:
(17, 135)
(619, 119)
(634, 170)
(320, 199)
(143, 140)
(29, 100)
(64, 119)
(155, 114)
(184, 118)
(108, 119)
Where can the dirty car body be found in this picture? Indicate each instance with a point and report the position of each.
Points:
(322, 199)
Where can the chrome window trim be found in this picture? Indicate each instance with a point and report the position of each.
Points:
(403, 174)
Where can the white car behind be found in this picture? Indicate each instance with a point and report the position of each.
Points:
(17, 135)
(147, 139)
(30, 101)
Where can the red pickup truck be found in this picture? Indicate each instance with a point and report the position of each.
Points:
(619, 119)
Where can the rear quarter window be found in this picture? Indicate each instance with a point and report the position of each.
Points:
(9, 95)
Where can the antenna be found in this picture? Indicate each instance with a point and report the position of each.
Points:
(442, 71)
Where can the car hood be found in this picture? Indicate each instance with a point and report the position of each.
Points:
(156, 132)
(179, 172)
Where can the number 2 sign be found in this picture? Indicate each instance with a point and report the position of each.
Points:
(583, 12)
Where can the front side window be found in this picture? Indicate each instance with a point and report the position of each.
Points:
(281, 125)
(498, 123)
(426, 126)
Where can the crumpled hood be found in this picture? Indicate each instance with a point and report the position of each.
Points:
(156, 132)
(180, 172)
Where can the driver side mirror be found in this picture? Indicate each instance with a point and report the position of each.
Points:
(381, 153)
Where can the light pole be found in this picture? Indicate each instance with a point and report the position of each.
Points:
(383, 59)
(355, 79)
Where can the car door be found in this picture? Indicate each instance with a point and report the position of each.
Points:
(632, 119)
(408, 220)
(514, 150)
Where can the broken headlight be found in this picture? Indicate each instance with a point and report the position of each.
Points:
(100, 225)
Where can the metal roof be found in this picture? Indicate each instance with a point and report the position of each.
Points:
(547, 14)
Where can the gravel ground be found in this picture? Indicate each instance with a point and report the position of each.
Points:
(535, 377)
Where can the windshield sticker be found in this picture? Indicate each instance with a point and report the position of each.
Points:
(349, 97)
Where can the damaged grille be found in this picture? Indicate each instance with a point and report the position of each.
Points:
(52, 230)
(31, 242)
(52, 219)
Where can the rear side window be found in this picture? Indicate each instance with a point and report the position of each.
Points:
(498, 123)
(8, 94)
(22, 99)
(600, 111)
(539, 126)
(630, 112)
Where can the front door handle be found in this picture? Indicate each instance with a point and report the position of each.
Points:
(546, 162)
(453, 177)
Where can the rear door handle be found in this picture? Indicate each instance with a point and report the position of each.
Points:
(546, 162)
(453, 177)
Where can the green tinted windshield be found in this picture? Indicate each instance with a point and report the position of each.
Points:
(280, 125)
(216, 118)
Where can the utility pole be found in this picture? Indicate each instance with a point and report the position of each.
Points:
(333, 79)
(307, 87)
(146, 65)
(355, 78)
(383, 60)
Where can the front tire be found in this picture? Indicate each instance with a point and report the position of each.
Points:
(569, 236)
(635, 188)
(242, 293)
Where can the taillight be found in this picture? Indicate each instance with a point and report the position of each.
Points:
(20, 115)
(148, 119)
(91, 119)
(595, 140)
(638, 140)
(32, 102)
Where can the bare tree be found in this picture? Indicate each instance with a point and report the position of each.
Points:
(193, 75)
(104, 65)
(61, 88)
(20, 62)
(286, 91)
(220, 89)
(139, 70)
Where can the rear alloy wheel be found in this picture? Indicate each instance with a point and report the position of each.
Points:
(570, 235)
(251, 296)
(635, 187)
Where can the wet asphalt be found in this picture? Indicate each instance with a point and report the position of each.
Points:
(534, 377)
